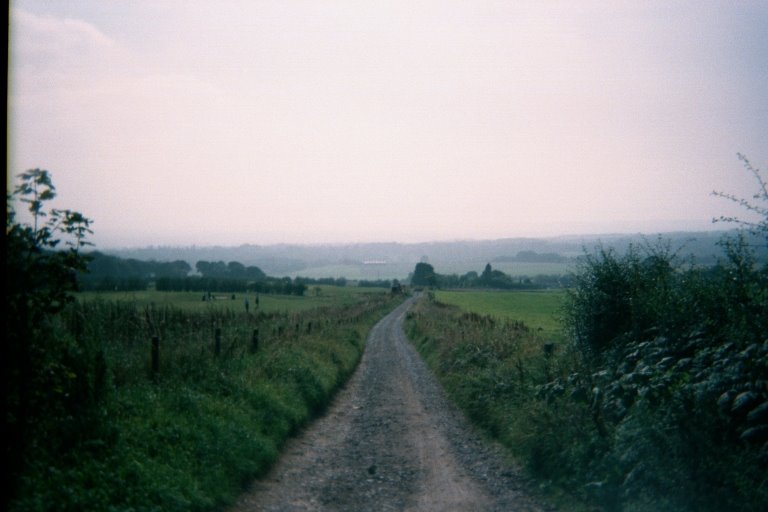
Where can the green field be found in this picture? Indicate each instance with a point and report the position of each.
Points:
(315, 297)
(539, 310)
(511, 268)
(401, 269)
(356, 271)
(531, 269)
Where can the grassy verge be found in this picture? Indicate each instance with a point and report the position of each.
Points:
(492, 366)
(190, 436)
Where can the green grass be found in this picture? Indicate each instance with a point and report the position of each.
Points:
(117, 436)
(540, 310)
(490, 369)
(399, 270)
(357, 271)
(315, 297)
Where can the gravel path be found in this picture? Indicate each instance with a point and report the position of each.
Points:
(390, 441)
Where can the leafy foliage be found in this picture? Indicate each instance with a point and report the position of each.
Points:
(670, 364)
(47, 374)
(424, 275)
(619, 295)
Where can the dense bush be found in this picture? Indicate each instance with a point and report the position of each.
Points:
(616, 297)
(671, 363)
(673, 366)
(660, 402)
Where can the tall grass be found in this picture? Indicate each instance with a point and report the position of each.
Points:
(315, 297)
(190, 436)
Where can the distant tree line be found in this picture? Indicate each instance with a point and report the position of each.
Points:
(328, 281)
(267, 285)
(535, 257)
(105, 272)
(231, 270)
(424, 275)
(111, 273)
(378, 283)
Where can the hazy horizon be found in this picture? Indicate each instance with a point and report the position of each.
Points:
(228, 123)
(723, 228)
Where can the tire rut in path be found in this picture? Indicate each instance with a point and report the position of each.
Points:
(390, 441)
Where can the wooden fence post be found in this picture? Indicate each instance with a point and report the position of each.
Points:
(549, 350)
(255, 340)
(217, 346)
(155, 355)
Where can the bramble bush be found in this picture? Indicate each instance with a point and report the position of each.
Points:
(675, 384)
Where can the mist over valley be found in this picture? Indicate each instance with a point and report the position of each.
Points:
(391, 260)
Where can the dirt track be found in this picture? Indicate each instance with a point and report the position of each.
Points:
(390, 441)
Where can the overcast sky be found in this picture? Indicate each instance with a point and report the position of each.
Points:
(223, 122)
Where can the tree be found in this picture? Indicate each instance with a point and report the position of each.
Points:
(235, 269)
(424, 275)
(215, 269)
(40, 277)
(178, 268)
(255, 273)
(760, 207)
(487, 274)
(491, 278)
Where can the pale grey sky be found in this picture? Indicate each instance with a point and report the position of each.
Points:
(226, 122)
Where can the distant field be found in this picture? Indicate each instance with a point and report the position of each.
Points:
(401, 270)
(356, 271)
(192, 301)
(514, 268)
(537, 309)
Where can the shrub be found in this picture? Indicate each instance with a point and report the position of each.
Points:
(51, 378)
